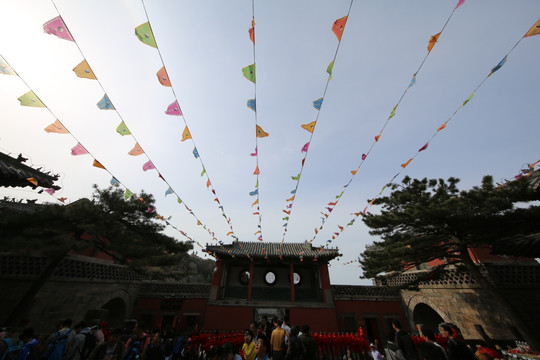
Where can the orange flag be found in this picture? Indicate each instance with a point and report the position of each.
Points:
(309, 127)
(535, 30)
(252, 32)
(186, 135)
(137, 150)
(256, 172)
(56, 127)
(163, 77)
(83, 70)
(354, 172)
(406, 164)
(378, 136)
(255, 202)
(442, 126)
(291, 198)
(332, 203)
(339, 26)
(98, 164)
(432, 41)
(208, 183)
(260, 132)
(33, 181)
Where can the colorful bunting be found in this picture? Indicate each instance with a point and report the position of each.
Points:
(50, 191)
(203, 171)
(186, 134)
(339, 26)
(260, 132)
(56, 127)
(62, 199)
(305, 147)
(255, 203)
(163, 77)
(432, 41)
(534, 30)
(32, 181)
(443, 125)
(144, 33)
(252, 32)
(460, 2)
(208, 183)
(5, 68)
(393, 113)
(291, 198)
(424, 147)
(83, 70)
(354, 171)
(309, 127)
(105, 103)
(407, 163)
(98, 164)
(127, 194)
(148, 166)
(318, 103)
(468, 99)
(249, 72)
(378, 136)
(136, 151)
(329, 70)
(413, 81)
(254, 153)
(78, 150)
(499, 65)
(257, 171)
(195, 153)
(254, 192)
(30, 99)
(114, 181)
(364, 156)
(57, 27)
(174, 109)
(252, 104)
(296, 178)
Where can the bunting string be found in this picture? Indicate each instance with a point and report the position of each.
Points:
(334, 202)
(534, 30)
(338, 29)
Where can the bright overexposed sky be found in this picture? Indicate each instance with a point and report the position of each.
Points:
(205, 44)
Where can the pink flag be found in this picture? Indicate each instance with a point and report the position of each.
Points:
(174, 109)
(364, 156)
(148, 166)
(255, 153)
(460, 2)
(78, 150)
(50, 191)
(423, 147)
(305, 147)
(57, 27)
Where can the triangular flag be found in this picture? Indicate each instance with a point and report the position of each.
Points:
(186, 135)
(252, 32)
(50, 191)
(56, 127)
(62, 199)
(252, 104)
(163, 77)
(354, 172)
(148, 166)
(254, 192)
(208, 183)
(122, 129)
(318, 103)
(305, 147)
(257, 171)
(78, 150)
(98, 164)
(291, 198)
(255, 203)
(174, 109)
(144, 33)
(443, 125)
(259, 132)
(413, 81)
(105, 103)
(329, 70)
(30, 99)
(114, 181)
(32, 181)
(407, 163)
(364, 156)
(423, 147)
(378, 136)
(309, 127)
(499, 65)
(460, 2)
(534, 30)
(432, 41)
(195, 153)
(137, 150)
(249, 72)
(57, 27)
(83, 70)
(203, 171)
(179, 200)
(393, 113)
(127, 194)
(254, 153)
(296, 178)
(339, 26)
(468, 99)
(5, 68)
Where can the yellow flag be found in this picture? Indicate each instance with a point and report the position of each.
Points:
(30, 99)
(309, 127)
(33, 181)
(260, 132)
(432, 41)
(83, 70)
(186, 135)
(407, 163)
(535, 30)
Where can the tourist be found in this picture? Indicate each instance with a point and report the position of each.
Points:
(229, 352)
(285, 325)
(137, 345)
(392, 351)
(457, 349)
(262, 348)
(248, 347)
(276, 341)
(310, 346)
(30, 350)
(430, 350)
(266, 326)
(404, 341)
(155, 349)
(57, 341)
(295, 347)
(112, 349)
(375, 354)
(82, 343)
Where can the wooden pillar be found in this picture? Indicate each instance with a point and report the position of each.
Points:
(250, 284)
(291, 277)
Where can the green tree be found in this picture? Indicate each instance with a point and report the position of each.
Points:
(127, 230)
(424, 220)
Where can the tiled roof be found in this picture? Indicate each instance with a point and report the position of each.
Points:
(263, 250)
(15, 174)
(353, 291)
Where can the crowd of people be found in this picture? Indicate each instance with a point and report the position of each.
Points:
(273, 339)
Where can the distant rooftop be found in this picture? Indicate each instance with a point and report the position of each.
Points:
(14, 173)
(263, 250)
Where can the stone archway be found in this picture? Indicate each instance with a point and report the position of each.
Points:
(114, 312)
(424, 314)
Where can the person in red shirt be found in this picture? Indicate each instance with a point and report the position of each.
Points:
(137, 345)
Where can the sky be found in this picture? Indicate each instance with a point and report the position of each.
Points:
(205, 44)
